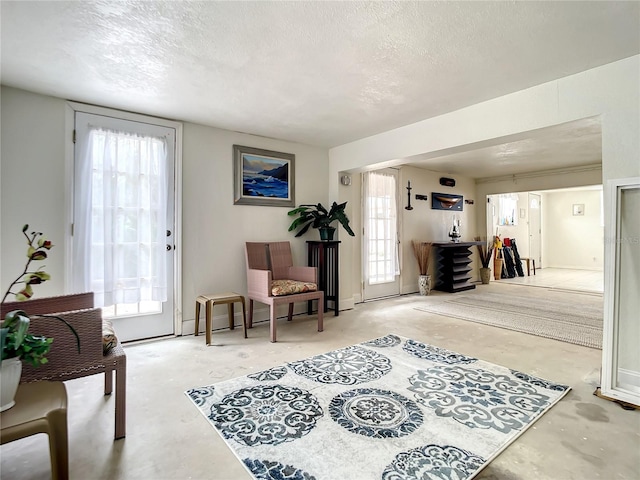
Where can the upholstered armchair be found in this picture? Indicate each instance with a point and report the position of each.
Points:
(272, 279)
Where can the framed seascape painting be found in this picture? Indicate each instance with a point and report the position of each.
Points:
(263, 177)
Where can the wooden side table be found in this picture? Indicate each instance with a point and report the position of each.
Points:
(41, 407)
(211, 300)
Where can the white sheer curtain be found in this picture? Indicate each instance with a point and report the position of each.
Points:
(381, 228)
(120, 218)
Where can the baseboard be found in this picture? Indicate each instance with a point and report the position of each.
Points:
(408, 289)
(347, 303)
(570, 267)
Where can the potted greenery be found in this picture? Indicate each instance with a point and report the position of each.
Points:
(319, 217)
(17, 345)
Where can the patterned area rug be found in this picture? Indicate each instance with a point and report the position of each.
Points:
(391, 409)
(568, 322)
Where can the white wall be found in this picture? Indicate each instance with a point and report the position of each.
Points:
(428, 225)
(34, 180)
(33, 183)
(572, 241)
(422, 224)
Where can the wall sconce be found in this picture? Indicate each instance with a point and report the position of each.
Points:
(345, 180)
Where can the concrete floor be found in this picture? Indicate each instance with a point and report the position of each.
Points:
(582, 437)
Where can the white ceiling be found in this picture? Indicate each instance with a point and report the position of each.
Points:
(318, 73)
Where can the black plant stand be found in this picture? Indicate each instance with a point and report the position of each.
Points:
(324, 256)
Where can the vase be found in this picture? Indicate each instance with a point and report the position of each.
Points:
(326, 233)
(10, 373)
(497, 268)
(424, 284)
(485, 275)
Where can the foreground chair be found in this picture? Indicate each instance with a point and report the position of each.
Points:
(65, 363)
(273, 280)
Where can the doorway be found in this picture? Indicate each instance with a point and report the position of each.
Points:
(381, 276)
(560, 229)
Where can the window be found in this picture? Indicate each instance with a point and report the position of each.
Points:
(508, 209)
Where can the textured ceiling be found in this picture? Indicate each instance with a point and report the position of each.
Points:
(319, 73)
(569, 145)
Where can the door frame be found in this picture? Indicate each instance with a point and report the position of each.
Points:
(70, 110)
(610, 343)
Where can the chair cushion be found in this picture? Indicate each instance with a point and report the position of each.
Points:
(289, 287)
(109, 339)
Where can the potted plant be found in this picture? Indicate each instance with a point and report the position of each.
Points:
(485, 252)
(317, 216)
(17, 345)
(422, 252)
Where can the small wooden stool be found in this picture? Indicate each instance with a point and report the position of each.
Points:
(209, 301)
(529, 262)
(41, 407)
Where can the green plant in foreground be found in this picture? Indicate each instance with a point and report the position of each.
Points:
(15, 339)
(36, 251)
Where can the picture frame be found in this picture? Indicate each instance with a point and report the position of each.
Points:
(446, 201)
(578, 209)
(263, 177)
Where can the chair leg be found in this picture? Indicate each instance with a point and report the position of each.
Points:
(272, 322)
(197, 317)
(208, 309)
(121, 400)
(108, 382)
(290, 315)
(244, 318)
(250, 317)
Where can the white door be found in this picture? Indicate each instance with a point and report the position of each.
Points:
(380, 240)
(535, 232)
(620, 359)
(123, 245)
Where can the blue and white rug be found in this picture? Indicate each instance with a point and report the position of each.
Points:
(391, 408)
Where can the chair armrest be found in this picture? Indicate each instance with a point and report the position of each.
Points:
(303, 274)
(259, 282)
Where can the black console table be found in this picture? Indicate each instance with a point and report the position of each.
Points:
(324, 256)
(454, 266)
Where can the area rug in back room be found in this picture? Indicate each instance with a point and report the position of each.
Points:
(390, 408)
